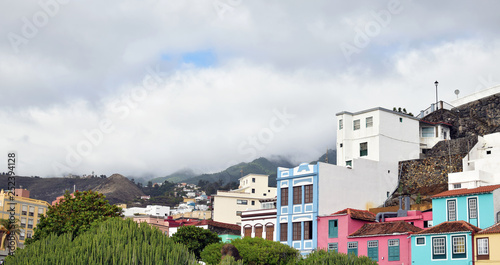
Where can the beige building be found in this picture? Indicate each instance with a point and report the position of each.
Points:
(228, 205)
(28, 211)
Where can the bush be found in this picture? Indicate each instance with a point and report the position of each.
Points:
(334, 258)
(195, 238)
(254, 251)
(113, 242)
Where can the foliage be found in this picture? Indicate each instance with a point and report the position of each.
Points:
(114, 241)
(324, 257)
(75, 214)
(13, 227)
(254, 251)
(229, 260)
(195, 238)
(402, 111)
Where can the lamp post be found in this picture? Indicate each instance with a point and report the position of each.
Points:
(436, 83)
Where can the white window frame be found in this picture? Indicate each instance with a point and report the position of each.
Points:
(416, 241)
(369, 121)
(341, 124)
(458, 241)
(482, 246)
(441, 247)
(427, 134)
(373, 244)
(448, 212)
(393, 243)
(356, 125)
(472, 210)
(352, 245)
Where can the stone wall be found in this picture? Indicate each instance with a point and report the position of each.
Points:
(453, 147)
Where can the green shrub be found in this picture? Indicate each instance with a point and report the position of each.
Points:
(333, 258)
(195, 238)
(112, 242)
(211, 254)
(229, 260)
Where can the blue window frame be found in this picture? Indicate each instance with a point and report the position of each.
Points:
(352, 248)
(333, 228)
(333, 247)
(393, 249)
(372, 250)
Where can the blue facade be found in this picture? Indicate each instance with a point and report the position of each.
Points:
(298, 212)
(446, 248)
(477, 209)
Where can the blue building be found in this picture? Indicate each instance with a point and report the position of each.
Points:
(446, 243)
(297, 207)
(479, 206)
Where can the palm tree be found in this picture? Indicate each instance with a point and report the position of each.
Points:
(7, 228)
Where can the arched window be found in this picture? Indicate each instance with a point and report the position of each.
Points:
(258, 230)
(270, 231)
(247, 231)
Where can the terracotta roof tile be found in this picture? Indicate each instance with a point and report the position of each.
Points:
(494, 229)
(357, 214)
(385, 228)
(450, 227)
(217, 224)
(463, 192)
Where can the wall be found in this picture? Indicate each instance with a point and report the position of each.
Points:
(485, 208)
(494, 242)
(346, 226)
(422, 254)
(383, 250)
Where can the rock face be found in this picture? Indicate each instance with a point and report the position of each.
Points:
(118, 189)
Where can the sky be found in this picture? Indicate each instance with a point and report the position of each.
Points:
(149, 87)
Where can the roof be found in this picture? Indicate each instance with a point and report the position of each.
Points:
(463, 192)
(216, 224)
(377, 109)
(357, 214)
(385, 228)
(450, 227)
(436, 123)
(494, 229)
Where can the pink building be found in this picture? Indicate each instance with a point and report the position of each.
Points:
(334, 229)
(153, 221)
(387, 243)
(417, 218)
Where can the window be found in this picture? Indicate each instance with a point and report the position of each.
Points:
(369, 122)
(253, 202)
(458, 247)
(393, 249)
(258, 231)
(356, 124)
(420, 241)
(348, 163)
(269, 232)
(23, 222)
(333, 228)
(457, 186)
(284, 232)
(308, 193)
(24, 210)
(333, 247)
(427, 131)
(28, 235)
(363, 149)
(341, 124)
(284, 196)
(297, 195)
(21, 235)
(352, 247)
(427, 224)
(30, 223)
(308, 230)
(483, 249)
(247, 231)
(253, 180)
(373, 250)
(472, 208)
(452, 210)
(341, 145)
(439, 247)
(297, 231)
(488, 152)
(400, 119)
(32, 211)
(243, 202)
(253, 190)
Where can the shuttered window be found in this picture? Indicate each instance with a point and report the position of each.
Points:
(393, 249)
(372, 250)
(333, 229)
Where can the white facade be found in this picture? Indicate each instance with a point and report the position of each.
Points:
(431, 134)
(229, 204)
(262, 221)
(153, 210)
(477, 95)
(481, 167)
(182, 208)
(377, 134)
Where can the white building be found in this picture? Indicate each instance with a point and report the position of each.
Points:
(228, 205)
(153, 210)
(260, 223)
(481, 167)
(432, 133)
(377, 134)
(183, 208)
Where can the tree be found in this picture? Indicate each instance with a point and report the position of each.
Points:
(11, 229)
(195, 238)
(75, 214)
(114, 242)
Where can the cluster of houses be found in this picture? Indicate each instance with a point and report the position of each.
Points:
(338, 207)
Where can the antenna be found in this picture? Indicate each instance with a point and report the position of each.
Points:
(326, 160)
(457, 92)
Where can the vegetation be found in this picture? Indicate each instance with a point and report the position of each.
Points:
(195, 238)
(114, 241)
(12, 228)
(254, 251)
(402, 111)
(324, 257)
(75, 214)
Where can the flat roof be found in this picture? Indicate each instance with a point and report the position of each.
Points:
(377, 109)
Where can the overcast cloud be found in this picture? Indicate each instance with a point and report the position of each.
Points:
(148, 87)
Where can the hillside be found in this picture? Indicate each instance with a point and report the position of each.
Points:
(178, 176)
(117, 188)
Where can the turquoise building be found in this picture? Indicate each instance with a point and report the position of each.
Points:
(297, 207)
(479, 206)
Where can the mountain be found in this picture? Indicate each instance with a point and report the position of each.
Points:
(332, 157)
(178, 176)
(117, 188)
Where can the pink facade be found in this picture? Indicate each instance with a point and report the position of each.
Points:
(417, 218)
(403, 240)
(348, 222)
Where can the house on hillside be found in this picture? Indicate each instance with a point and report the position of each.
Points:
(478, 206)
(228, 205)
(487, 243)
(446, 243)
(386, 243)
